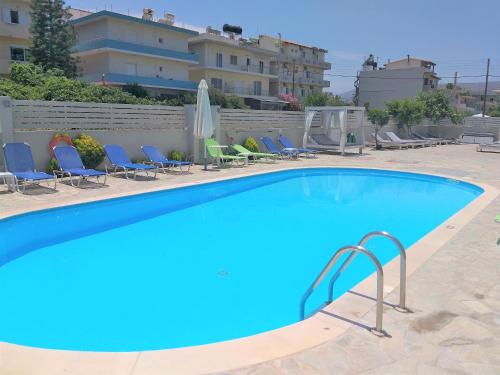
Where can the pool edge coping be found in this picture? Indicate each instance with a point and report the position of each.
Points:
(269, 345)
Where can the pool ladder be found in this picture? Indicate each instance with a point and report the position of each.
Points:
(354, 250)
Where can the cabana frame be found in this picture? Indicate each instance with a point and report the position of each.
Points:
(336, 124)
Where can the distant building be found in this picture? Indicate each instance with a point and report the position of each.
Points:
(470, 96)
(300, 68)
(399, 79)
(14, 33)
(116, 49)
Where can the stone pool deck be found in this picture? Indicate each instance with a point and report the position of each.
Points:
(454, 327)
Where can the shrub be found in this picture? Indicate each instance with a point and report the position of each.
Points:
(136, 90)
(175, 155)
(91, 151)
(251, 144)
(293, 103)
(235, 102)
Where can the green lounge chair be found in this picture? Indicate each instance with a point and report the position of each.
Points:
(242, 151)
(220, 159)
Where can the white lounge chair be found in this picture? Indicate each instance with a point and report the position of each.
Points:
(439, 141)
(390, 144)
(393, 137)
(490, 147)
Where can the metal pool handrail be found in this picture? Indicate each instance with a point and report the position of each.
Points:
(402, 266)
(328, 267)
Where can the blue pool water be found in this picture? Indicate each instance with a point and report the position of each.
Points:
(206, 263)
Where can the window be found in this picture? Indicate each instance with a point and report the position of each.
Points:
(257, 88)
(302, 92)
(249, 62)
(14, 16)
(218, 62)
(161, 68)
(18, 54)
(216, 83)
(160, 40)
(261, 66)
(233, 60)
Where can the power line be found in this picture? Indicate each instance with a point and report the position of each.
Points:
(418, 78)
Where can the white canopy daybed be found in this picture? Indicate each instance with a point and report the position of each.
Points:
(339, 129)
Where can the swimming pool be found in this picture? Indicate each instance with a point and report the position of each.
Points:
(206, 263)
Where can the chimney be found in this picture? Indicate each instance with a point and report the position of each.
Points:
(148, 14)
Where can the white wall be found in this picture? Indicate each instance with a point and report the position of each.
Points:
(379, 86)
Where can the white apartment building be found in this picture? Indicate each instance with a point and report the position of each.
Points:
(14, 32)
(400, 79)
(300, 68)
(116, 49)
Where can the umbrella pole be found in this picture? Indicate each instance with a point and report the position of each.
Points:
(205, 153)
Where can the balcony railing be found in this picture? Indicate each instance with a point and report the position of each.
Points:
(253, 68)
(114, 44)
(299, 79)
(244, 90)
(316, 61)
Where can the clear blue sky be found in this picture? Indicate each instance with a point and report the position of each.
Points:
(456, 34)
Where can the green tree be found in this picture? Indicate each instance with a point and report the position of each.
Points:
(53, 36)
(407, 112)
(323, 99)
(136, 90)
(436, 106)
(379, 118)
(494, 111)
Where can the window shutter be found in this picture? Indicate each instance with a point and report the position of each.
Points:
(6, 15)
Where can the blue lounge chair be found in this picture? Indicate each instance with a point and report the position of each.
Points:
(273, 148)
(289, 145)
(19, 162)
(120, 161)
(157, 158)
(70, 164)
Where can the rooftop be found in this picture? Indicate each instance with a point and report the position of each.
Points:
(106, 13)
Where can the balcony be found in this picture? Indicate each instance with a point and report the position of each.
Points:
(299, 79)
(104, 44)
(157, 82)
(313, 61)
(250, 69)
(15, 30)
(243, 90)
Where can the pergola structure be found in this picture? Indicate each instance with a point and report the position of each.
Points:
(340, 129)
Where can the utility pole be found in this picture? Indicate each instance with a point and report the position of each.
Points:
(486, 86)
(278, 64)
(454, 93)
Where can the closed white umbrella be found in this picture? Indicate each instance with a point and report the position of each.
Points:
(203, 123)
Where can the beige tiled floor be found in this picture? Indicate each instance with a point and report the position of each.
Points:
(455, 295)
